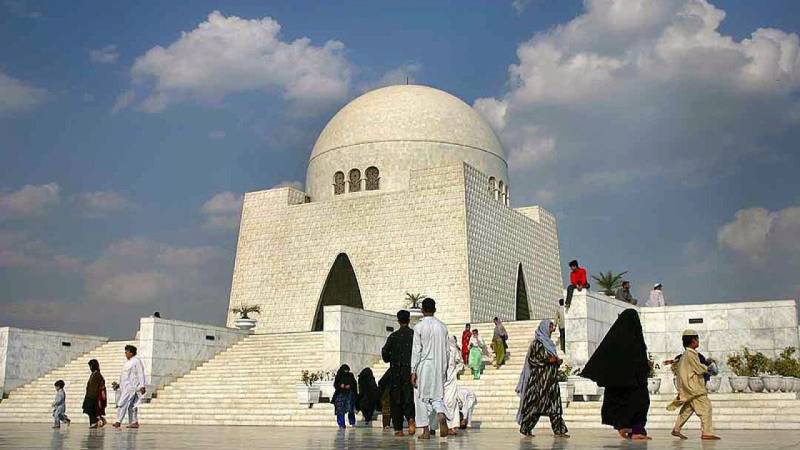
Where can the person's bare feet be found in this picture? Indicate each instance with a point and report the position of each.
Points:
(399, 434)
(55, 427)
(116, 424)
(133, 425)
(624, 433)
(452, 432)
(678, 434)
(640, 437)
(442, 425)
(710, 437)
(412, 427)
(426, 433)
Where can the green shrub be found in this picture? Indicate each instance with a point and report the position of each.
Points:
(786, 364)
(748, 364)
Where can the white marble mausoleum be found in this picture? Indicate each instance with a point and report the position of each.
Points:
(407, 192)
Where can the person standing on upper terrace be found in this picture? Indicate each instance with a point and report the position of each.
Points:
(397, 352)
(656, 296)
(624, 293)
(429, 356)
(577, 280)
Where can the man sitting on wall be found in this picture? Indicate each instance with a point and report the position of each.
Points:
(577, 280)
(624, 293)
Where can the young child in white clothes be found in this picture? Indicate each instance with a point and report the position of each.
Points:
(60, 405)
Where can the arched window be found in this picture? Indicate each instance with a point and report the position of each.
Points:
(373, 178)
(493, 187)
(355, 180)
(501, 192)
(338, 183)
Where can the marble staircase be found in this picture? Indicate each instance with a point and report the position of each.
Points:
(31, 402)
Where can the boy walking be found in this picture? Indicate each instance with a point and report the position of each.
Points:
(692, 394)
(60, 405)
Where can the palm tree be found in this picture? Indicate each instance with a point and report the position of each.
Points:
(413, 299)
(609, 282)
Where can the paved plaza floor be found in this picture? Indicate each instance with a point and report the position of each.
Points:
(40, 436)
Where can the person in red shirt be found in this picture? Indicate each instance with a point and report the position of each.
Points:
(465, 336)
(577, 280)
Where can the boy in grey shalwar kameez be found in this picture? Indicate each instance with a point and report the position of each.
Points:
(60, 405)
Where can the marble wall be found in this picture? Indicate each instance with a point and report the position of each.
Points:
(171, 348)
(28, 354)
(355, 337)
(589, 318)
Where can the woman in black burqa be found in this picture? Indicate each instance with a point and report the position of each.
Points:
(344, 397)
(369, 396)
(621, 366)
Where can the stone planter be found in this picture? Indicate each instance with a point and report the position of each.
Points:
(326, 388)
(245, 324)
(416, 316)
(738, 384)
(797, 385)
(787, 384)
(772, 383)
(567, 391)
(714, 383)
(307, 395)
(653, 385)
(755, 384)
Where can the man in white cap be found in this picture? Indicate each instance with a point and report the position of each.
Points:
(656, 296)
(692, 393)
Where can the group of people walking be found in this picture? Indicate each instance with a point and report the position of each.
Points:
(130, 390)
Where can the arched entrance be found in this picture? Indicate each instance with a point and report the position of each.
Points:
(523, 310)
(341, 288)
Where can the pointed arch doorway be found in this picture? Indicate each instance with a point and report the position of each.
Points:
(523, 309)
(341, 288)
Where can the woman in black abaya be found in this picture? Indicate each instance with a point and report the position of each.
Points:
(621, 366)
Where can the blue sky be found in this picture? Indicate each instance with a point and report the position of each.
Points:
(664, 135)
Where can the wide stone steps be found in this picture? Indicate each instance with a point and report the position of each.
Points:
(31, 402)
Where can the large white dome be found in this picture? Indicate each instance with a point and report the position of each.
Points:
(399, 128)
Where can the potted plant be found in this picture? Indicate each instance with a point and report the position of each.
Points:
(609, 282)
(244, 322)
(787, 367)
(414, 306)
(566, 388)
(325, 383)
(307, 392)
(739, 379)
(653, 382)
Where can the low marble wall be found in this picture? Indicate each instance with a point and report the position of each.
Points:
(25, 355)
(589, 318)
(355, 337)
(171, 348)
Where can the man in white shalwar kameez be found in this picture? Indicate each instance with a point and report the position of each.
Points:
(429, 357)
(130, 389)
(454, 366)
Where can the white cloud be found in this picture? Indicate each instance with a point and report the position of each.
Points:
(102, 203)
(123, 100)
(19, 8)
(402, 74)
(19, 250)
(222, 211)
(226, 55)
(292, 184)
(19, 96)
(106, 55)
(29, 201)
(759, 236)
(520, 5)
(637, 90)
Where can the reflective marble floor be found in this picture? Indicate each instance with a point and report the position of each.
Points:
(40, 436)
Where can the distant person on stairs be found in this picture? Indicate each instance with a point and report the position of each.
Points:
(465, 337)
(397, 352)
(476, 351)
(620, 365)
(344, 396)
(560, 323)
(577, 280)
(499, 343)
(369, 396)
(692, 393)
(538, 390)
(60, 405)
(94, 400)
(131, 389)
(454, 365)
(429, 356)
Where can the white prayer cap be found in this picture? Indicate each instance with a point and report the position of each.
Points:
(657, 285)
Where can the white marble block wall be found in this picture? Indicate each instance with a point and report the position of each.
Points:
(25, 355)
(354, 337)
(171, 348)
(589, 318)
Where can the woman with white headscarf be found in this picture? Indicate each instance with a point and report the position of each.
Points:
(538, 384)
(455, 364)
